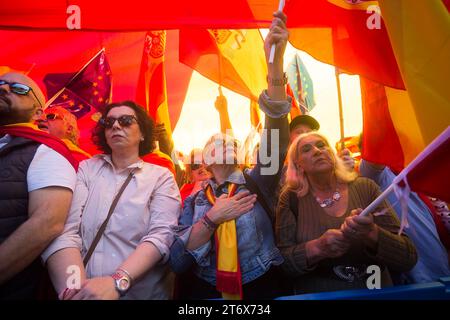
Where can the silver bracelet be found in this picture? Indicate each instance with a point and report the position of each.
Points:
(206, 224)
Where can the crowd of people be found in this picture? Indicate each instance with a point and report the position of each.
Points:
(118, 226)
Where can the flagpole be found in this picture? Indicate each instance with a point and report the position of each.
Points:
(341, 113)
(220, 74)
(402, 175)
(272, 48)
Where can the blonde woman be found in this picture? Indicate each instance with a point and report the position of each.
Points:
(325, 244)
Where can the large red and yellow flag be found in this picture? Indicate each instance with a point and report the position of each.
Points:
(137, 14)
(151, 92)
(30, 52)
(392, 135)
(399, 124)
(346, 34)
(420, 35)
(234, 59)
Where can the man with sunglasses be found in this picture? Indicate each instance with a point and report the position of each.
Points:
(37, 177)
(61, 123)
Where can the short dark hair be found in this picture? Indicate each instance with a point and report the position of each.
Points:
(146, 125)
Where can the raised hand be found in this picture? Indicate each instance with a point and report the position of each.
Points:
(277, 35)
(221, 103)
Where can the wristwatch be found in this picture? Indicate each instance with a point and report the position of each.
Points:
(122, 282)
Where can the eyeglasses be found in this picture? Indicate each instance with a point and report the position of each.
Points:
(124, 121)
(20, 89)
(53, 116)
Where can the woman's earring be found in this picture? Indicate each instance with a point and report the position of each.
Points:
(142, 138)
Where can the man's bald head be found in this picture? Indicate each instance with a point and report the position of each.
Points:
(21, 78)
(15, 107)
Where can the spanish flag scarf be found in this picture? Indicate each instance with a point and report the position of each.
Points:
(32, 132)
(78, 153)
(228, 270)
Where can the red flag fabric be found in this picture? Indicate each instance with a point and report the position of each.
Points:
(295, 108)
(134, 15)
(444, 235)
(151, 85)
(431, 175)
(42, 137)
(151, 92)
(381, 142)
(340, 35)
(41, 53)
(339, 32)
(234, 59)
(160, 159)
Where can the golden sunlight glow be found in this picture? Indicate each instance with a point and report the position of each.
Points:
(199, 118)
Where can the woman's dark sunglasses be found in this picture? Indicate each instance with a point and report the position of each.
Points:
(20, 89)
(124, 121)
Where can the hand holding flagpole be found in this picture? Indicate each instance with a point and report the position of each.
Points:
(272, 48)
(440, 142)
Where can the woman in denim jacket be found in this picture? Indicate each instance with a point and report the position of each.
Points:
(196, 235)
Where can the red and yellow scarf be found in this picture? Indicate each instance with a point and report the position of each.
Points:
(76, 151)
(228, 270)
(32, 132)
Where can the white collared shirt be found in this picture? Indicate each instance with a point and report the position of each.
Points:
(147, 209)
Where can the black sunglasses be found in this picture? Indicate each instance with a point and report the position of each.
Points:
(124, 121)
(20, 89)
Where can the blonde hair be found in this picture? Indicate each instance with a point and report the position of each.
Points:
(296, 178)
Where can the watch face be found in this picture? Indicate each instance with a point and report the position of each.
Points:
(124, 284)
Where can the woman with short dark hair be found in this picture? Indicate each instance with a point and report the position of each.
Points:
(146, 127)
(129, 258)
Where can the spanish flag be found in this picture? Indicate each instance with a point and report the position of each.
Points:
(151, 92)
(234, 59)
(399, 124)
(228, 269)
(420, 35)
(347, 34)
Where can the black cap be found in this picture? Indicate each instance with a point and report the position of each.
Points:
(306, 120)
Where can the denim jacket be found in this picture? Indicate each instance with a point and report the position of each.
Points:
(256, 244)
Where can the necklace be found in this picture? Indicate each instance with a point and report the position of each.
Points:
(328, 202)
